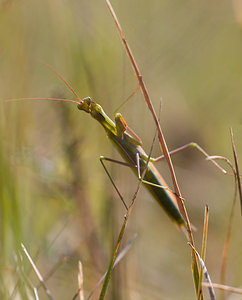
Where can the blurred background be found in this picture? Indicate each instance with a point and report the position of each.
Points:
(55, 196)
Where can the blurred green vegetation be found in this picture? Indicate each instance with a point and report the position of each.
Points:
(54, 194)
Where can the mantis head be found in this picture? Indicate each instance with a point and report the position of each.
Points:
(96, 111)
(85, 104)
(91, 107)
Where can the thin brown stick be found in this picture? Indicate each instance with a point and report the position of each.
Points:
(127, 99)
(162, 142)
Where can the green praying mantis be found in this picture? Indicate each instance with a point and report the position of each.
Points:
(130, 148)
(129, 144)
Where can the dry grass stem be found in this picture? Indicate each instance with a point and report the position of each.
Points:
(223, 287)
(48, 293)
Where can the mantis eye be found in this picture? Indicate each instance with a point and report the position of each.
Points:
(87, 100)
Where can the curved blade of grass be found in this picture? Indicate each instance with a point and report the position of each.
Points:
(237, 169)
(117, 260)
(112, 262)
(205, 272)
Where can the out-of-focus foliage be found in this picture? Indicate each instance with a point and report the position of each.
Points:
(54, 194)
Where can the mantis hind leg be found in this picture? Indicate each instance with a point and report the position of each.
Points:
(202, 151)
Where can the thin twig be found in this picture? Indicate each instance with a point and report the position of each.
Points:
(127, 99)
(150, 106)
(162, 142)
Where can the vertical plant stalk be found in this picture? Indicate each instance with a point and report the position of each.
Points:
(204, 244)
(112, 262)
(237, 169)
(226, 247)
(162, 142)
(151, 108)
(117, 260)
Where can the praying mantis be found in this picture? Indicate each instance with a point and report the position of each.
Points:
(130, 148)
(128, 145)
